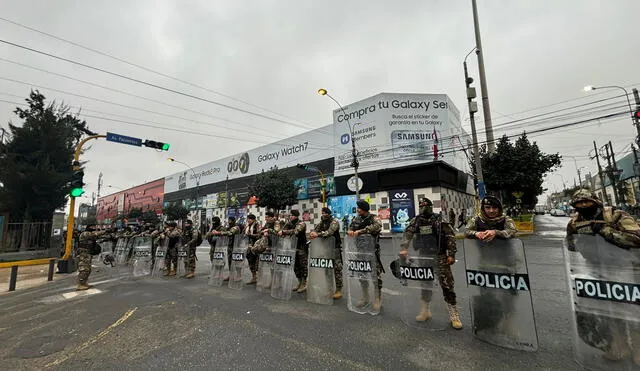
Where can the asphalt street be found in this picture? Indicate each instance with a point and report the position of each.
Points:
(161, 323)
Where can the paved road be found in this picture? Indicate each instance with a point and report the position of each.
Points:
(127, 323)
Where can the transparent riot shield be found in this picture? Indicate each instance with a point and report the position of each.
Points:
(604, 281)
(283, 274)
(161, 254)
(107, 253)
(266, 264)
(321, 278)
(500, 293)
(121, 249)
(360, 273)
(182, 258)
(219, 267)
(423, 305)
(141, 260)
(238, 262)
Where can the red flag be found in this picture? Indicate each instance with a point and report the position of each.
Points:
(435, 144)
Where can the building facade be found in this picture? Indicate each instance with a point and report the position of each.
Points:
(148, 197)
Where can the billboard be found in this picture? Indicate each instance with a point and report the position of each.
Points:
(396, 130)
(402, 209)
(314, 145)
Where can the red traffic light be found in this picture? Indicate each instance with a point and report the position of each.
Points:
(636, 114)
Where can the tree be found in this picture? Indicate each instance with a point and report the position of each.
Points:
(175, 212)
(36, 161)
(518, 167)
(150, 217)
(274, 189)
(134, 213)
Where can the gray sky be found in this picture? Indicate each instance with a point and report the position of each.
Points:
(276, 54)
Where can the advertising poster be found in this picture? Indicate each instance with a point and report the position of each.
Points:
(302, 186)
(394, 130)
(402, 209)
(384, 213)
(312, 188)
(343, 209)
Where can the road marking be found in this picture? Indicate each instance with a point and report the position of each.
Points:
(391, 292)
(94, 339)
(73, 294)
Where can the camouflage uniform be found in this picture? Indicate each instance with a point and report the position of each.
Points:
(369, 224)
(298, 228)
(327, 228)
(86, 242)
(253, 232)
(432, 224)
(211, 238)
(620, 229)
(171, 259)
(232, 230)
(503, 225)
(190, 237)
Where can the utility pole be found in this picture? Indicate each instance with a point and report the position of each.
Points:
(600, 173)
(99, 184)
(636, 119)
(473, 108)
(636, 172)
(615, 175)
(483, 81)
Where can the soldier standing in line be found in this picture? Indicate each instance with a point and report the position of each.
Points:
(298, 228)
(171, 261)
(268, 230)
(191, 239)
(87, 243)
(327, 227)
(252, 231)
(367, 223)
(491, 222)
(231, 231)
(216, 226)
(429, 224)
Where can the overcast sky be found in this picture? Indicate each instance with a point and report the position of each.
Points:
(274, 55)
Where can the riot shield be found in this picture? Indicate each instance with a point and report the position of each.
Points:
(420, 291)
(266, 263)
(182, 258)
(360, 273)
(238, 262)
(107, 253)
(141, 260)
(219, 261)
(321, 278)
(604, 281)
(121, 248)
(500, 293)
(283, 274)
(161, 254)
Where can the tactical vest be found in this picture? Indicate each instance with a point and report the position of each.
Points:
(336, 235)
(481, 225)
(360, 223)
(84, 242)
(173, 241)
(232, 238)
(253, 229)
(271, 226)
(428, 227)
(302, 236)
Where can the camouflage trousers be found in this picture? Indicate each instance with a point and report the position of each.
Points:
(83, 260)
(252, 259)
(300, 268)
(171, 259)
(190, 261)
(337, 269)
(445, 278)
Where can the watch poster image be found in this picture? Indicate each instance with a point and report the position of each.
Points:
(402, 209)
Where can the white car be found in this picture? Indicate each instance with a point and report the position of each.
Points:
(558, 212)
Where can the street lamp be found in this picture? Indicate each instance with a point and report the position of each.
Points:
(314, 169)
(354, 162)
(194, 176)
(634, 119)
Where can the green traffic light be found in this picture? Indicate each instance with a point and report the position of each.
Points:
(165, 146)
(76, 192)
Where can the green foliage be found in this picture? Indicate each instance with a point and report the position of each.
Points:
(274, 189)
(517, 167)
(175, 212)
(134, 213)
(150, 217)
(36, 161)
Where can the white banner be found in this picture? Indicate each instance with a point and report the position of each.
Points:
(308, 147)
(396, 130)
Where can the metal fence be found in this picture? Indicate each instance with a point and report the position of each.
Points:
(28, 236)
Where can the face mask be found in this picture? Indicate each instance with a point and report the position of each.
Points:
(588, 211)
(325, 218)
(426, 210)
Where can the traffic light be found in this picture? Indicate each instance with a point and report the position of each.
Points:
(77, 183)
(156, 145)
(636, 114)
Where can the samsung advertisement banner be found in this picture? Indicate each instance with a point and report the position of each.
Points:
(402, 209)
(314, 145)
(396, 130)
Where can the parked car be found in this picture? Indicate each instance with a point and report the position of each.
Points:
(558, 212)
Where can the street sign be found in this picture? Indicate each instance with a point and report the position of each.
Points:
(123, 139)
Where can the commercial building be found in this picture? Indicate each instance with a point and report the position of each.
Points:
(408, 146)
(147, 197)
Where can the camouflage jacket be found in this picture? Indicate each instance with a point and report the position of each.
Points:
(327, 229)
(617, 227)
(432, 225)
(87, 239)
(368, 224)
(290, 228)
(190, 237)
(273, 228)
(230, 231)
(504, 226)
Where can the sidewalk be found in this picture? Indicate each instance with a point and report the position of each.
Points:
(28, 276)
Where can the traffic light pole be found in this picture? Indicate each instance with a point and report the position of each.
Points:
(72, 204)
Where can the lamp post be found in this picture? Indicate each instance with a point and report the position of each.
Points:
(473, 108)
(354, 162)
(634, 119)
(314, 169)
(194, 176)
